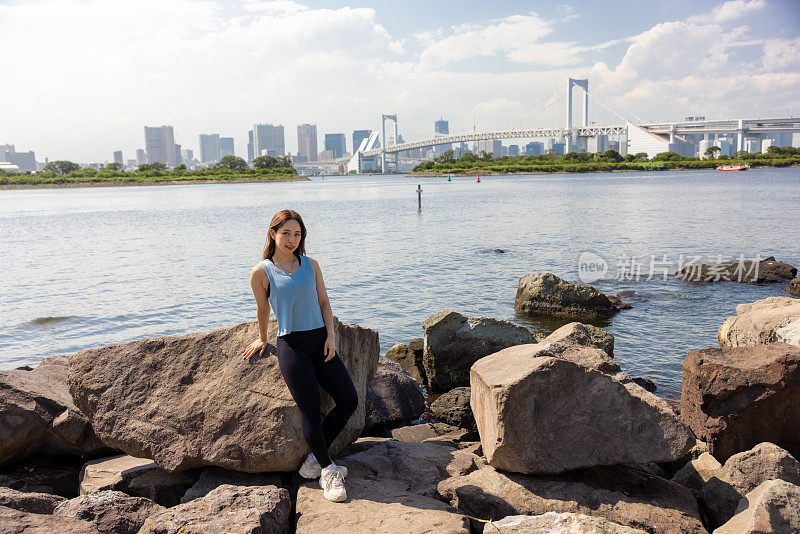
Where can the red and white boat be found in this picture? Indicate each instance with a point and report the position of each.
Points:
(742, 167)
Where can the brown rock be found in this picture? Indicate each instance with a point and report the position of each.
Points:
(240, 509)
(552, 522)
(454, 342)
(741, 474)
(213, 477)
(756, 272)
(761, 322)
(579, 343)
(192, 400)
(735, 398)
(697, 472)
(393, 397)
(627, 495)
(548, 294)
(35, 503)
(18, 522)
(110, 512)
(410, 358)
(112, 473)
(432, 431)
(794, 287)
(162, 486)
(529, 423)
(40, 474)
(39, 416)
(774, 507)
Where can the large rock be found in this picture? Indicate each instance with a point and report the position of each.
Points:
(110, 512)
(391, 487)
(375, 508)
(537, 413)
(756, 272)
(628, 495)
(213, 477)
(35, 503)
(547, 294)
(431, 432)
(410, 358)
(192, 400)
(393, 397)
(454, 342)
(40, 474)
(112, 473)
(697, 472)
(763, 321)
(774, 507)
(735, 398)
(579, 343)
(552, 523)
(18, 522)
(37, 415)
(240, 509)
(743, 473)
(453, 408)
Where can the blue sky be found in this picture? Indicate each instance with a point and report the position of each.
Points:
(89, 74)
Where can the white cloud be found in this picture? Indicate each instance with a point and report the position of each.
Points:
(275, 6)
(781, 54)
(730, 10)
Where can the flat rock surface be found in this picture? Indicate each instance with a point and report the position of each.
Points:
(18, 522)
(192, 400)
(553, 523)
(769, 320)
(109, 511)
(35, 503)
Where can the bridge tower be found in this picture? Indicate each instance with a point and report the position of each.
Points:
(571, 139)
(384, 118)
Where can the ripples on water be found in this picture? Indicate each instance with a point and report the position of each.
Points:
(89, 267)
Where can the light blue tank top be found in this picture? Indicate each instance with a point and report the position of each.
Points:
(294, 297)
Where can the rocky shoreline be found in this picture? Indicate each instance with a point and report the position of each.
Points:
(528, 433)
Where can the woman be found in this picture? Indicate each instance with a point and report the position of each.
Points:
(291, 283)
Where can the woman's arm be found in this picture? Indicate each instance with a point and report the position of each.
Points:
(259, 282)
(327, 312)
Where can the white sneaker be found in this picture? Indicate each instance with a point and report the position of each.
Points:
(310, 468)
(332, 482)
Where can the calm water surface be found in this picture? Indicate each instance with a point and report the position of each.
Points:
(93, 266)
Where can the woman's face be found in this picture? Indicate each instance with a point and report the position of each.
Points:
(287, 237)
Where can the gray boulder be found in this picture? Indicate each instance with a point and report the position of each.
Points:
(530, 422)
(35, 503)
(547, 294)
(213, 477)
(110, 512)
(193, 401)
(749, 271)
(393, 397)
(454, 342)
(18, 522)
(39, 415)
(743, 473)
(240, 509)
(453, 408)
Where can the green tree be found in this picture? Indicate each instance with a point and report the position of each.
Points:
(641, 156)
(486, 156)
(445, 157)
(143, 167)
(667, 156)
(611, 155)
(468, 157)
(232, 163)
(114, 166)
(180, 168)
(265, 162)
(711, 152)
(158, 166)
(62, 167)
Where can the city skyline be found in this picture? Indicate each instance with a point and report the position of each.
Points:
(479, 62)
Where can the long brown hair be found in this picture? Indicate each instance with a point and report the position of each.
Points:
(277, 221)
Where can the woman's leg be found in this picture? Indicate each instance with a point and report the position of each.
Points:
(335, 379)
(298, 372)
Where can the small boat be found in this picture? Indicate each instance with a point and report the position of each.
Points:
(742, 167)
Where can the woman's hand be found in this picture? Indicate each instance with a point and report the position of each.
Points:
(254, 348)
(330, 347)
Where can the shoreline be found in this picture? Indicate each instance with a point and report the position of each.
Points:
(297, 178)
(438, 174)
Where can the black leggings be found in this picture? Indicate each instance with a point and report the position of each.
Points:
(302, 362)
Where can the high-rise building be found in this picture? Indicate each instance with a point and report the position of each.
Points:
(556, 146)
(307, 141)
(187, 155)
(358, 136)
(491, 146)
(26, 161)
(141, 156)
(336, 142)
(441, 128)
(5, 150)
(209, 148)
(225, 147)
(513, 150)
(268, 140)
(251, 154)
(118, 157)
(160, 144)
(534, 148)
(178, 157)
